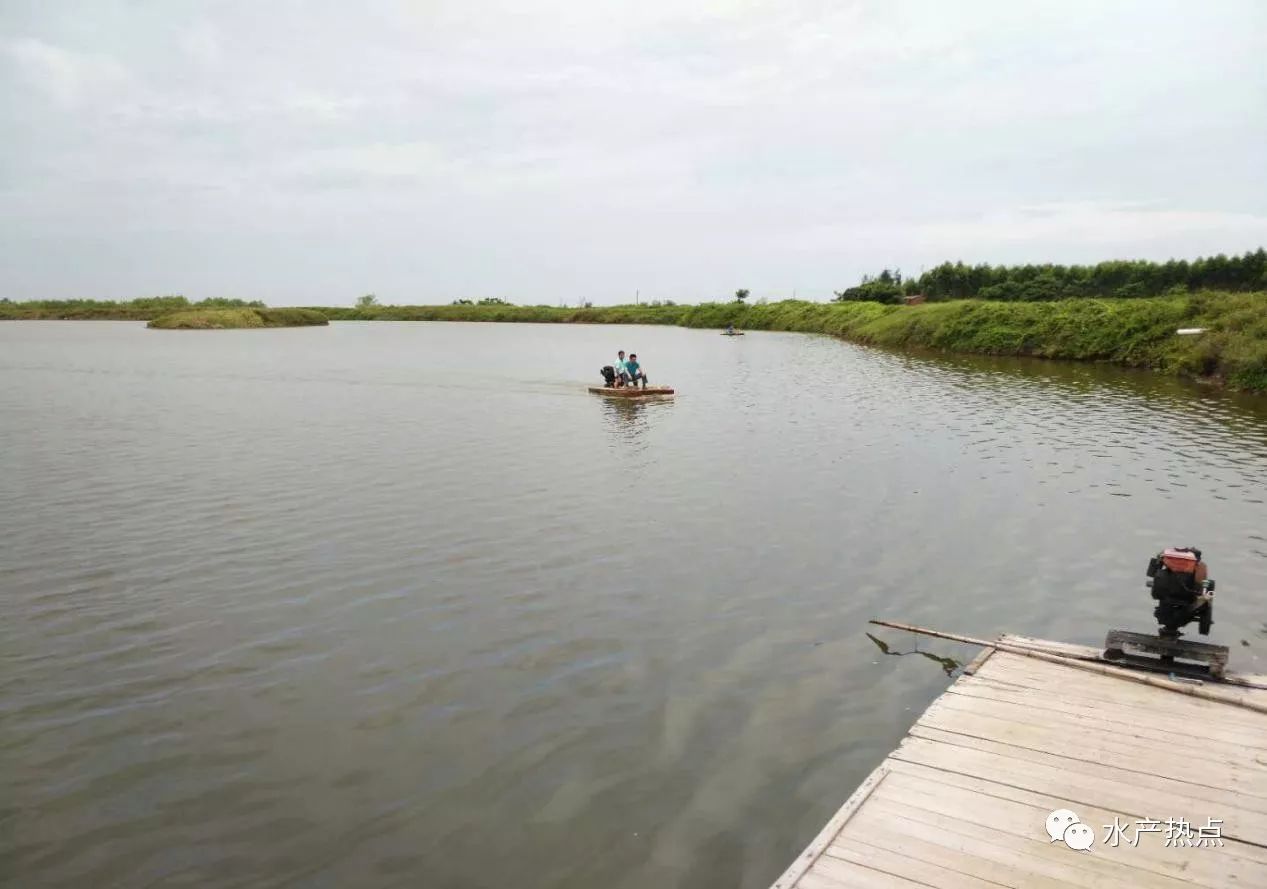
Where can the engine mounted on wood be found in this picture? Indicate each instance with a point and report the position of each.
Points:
(1180, 584)
(1183, 589)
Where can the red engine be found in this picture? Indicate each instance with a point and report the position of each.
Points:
(1184, 592)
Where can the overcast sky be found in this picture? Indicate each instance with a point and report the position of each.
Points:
(309, 152)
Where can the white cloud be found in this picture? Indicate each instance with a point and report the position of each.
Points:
(790, 144)
(1091, 223)
(68, 78)
(416, 161)
(1086, 230)
(202, 44)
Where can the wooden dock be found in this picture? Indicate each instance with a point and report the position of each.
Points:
(963, 802)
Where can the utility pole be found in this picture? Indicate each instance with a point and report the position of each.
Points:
(637, 297)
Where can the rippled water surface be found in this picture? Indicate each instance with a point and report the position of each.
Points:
(400, 604)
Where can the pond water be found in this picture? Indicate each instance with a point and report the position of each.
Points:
(400, 604)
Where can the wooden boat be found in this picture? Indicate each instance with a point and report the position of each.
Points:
(630, 391)
(732, 333)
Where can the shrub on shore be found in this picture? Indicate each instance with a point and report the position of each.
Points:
(141, 309)
(237, 319)
(292, 317)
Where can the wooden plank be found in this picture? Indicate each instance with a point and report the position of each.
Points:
(820, 843)
(1198, 726)
(1236, 707)
(1020, 811)
(630, 391)
(930, 864)
(1064, 649)
(1139, 677)
(1083, 685)
(1064, 719)
(996, 806)
(819, 881)
(1032, 861)
(1111, 716)
(1217, 790)
(1013, 861)
(1089, 786)
(1124, 751)
(976, 663)
(861, 876)
(1124, 676)
(1091, 652)
(1177, 717)
(907, 838)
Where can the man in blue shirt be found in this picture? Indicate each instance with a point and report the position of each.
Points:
(634, 370)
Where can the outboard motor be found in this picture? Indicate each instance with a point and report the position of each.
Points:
(1183, 591)
(609, 375)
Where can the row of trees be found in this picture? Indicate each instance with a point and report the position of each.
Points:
(1117, 278)
(486, 301)
(887, 287)
(147, 303)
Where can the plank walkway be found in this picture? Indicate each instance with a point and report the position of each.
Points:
(962, 803)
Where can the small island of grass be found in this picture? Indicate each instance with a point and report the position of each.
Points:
(238, 319)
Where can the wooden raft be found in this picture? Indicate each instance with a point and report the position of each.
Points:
(962, 802)
(630, 391)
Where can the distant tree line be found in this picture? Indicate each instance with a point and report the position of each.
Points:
(887, 287)
(1031, 283)
(145, 303)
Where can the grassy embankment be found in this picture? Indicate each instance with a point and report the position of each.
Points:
(107, 310)
(164, 313)
(1130, 332)
(237, 319)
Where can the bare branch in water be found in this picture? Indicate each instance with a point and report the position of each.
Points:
(948, 664)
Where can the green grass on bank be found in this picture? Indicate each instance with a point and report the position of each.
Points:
(142, 309)
(1132, 332)
(508, 313)
(237, 319)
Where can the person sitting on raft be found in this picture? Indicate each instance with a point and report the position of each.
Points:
(615, 375)
(730, 330)
(633, 371)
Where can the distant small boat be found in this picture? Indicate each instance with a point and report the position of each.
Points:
(630, 391)
(732, 333)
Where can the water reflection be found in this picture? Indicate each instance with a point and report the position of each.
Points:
(630, 418)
